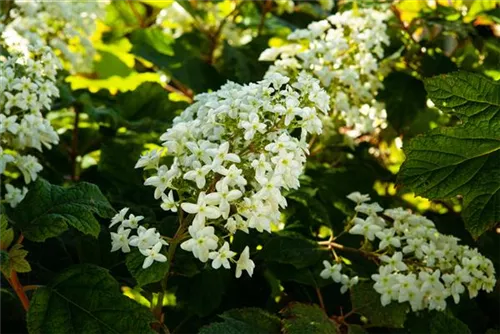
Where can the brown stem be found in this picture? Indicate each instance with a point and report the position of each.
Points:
(265, 9)
(74, 143)
(320, 298)
(136, 14)
(369, 255)
(214, 39)
(18, 289)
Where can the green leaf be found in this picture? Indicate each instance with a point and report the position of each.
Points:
(85, 299)
(202, 293)
(291, 248)
(469, 96)
(245, 321)
(6, 233)
(463, 159)
(48, 209)
(445, 323)
(17, 259)
(304, 319)
(356, 329)
(154, 273)
(4, 262)
(366, 301)
(404, 98)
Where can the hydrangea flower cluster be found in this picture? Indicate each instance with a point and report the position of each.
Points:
(418, 264)
(344, 52)
(27, 86)
(65, 28)
(233, 155)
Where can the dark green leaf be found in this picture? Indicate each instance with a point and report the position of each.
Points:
(154, 273)
(469, 96)
(203, 292)
(366, 301)
(86, 299)
(245, 321)
(291, 248)
(404, 98)
(48, 209)
(304, 319)
(445, 323)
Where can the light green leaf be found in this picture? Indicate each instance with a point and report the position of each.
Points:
(366, 301)
(48, 209)
(17, 259)
(154, 273)
(306, 319)
(6, 233)
(460, 160)
(86, 299)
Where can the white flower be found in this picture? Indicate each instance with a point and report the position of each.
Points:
(202, 241)
(358, 198)
(152, 254)
(201, 209)
(348, 283)
(145, 238)
(387, 238)
(331, 271)
(119, 217)
(149, 160)
(395, 262)
(222, 257)
(132, 221)
(15, 195)
(252, 126)
(222, 155)
(119, 240)
(365, 228)
(244, 263)
(198, 174)
(369, 209)
(169, 204)
(222, 198)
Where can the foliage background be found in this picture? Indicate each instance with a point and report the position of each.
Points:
(143, 77)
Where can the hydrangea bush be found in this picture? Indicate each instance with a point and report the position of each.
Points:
(181, 184)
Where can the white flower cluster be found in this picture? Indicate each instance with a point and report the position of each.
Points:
(334, 272)
(65, 27)
(148, 241)
(175, 20)
(27, 86)
(419, 265)
(233, 154)
(344, 52)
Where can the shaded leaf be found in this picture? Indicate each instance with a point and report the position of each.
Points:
(48, 209)
(153, 273)
(366, 301)
(291, 248)
(303, 319)
(86, 299)
(245, 321)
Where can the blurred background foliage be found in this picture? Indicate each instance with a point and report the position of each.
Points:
(154, 56)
